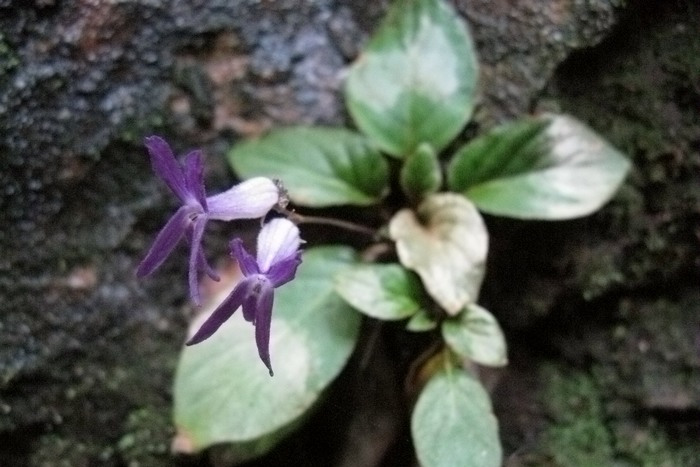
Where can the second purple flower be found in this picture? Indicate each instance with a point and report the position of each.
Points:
(278, 257)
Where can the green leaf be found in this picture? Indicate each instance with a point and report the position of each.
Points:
(445, 242)
(318, 166)
(453, 423)
(223, 393)
(421, 321)
(476, 335)
(552, 167)
(415, 81)
(421, 174)
(382, 291)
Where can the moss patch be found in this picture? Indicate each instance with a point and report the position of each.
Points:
(146, 441)
(582, 431)
(639, 89)
(8, 57)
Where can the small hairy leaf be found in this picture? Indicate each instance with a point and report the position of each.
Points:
(476, 335)
(421, 321)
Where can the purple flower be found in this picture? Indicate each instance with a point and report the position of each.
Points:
(278, 257)
(248, 200)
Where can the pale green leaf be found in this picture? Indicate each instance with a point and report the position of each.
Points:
(415, 81)
(445, 242)
(223, 392)
(552, 167)
(318, 166)
(453, 423)
(476, 335)
(382, 291)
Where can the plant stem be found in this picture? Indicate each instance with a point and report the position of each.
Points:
(341, 224)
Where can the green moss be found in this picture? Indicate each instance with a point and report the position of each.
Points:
(53, 450)
(648, 445)
(578, 435)
(583, 430)
(8, 57)
(134, 129)
(600, 274)
(639, 89)
(627, 410)
(651, 355)
(146, 441)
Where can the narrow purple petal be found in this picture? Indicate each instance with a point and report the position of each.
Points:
(222, 313)
(263, 319)
(165, 242)
(245, 260)
(284, 271)
(195, 252)
(277, 241)
(194, 177)
(203, 265)
(166, 166)
(250, 305)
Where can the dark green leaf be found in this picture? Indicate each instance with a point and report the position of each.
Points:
(318, 166)
(415, 81)
(421, 174)
(551, 168)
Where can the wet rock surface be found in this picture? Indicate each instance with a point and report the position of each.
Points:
(618, 299)
(84, 347)
(87, 352)
(521, 44)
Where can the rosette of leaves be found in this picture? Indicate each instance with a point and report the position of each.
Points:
(410, 93)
